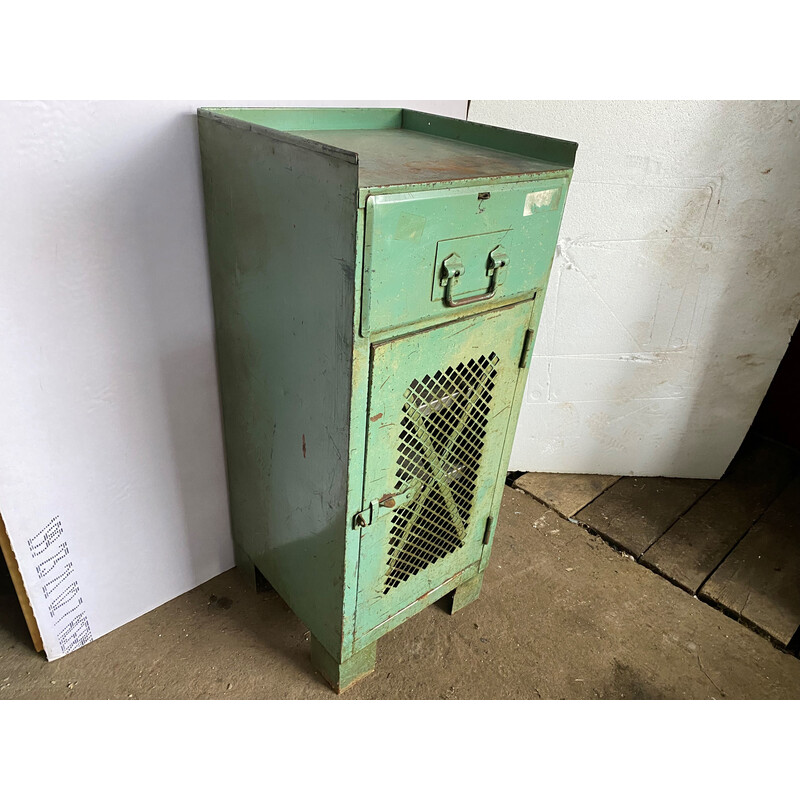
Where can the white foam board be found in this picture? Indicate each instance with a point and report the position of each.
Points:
(112, 479)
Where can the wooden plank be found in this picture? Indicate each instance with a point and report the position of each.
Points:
(634, 512)
(759, 581)
(698, 542)
(565, 493)
(19, 586)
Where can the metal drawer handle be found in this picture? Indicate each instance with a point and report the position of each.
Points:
(452, 269)
(465, 301)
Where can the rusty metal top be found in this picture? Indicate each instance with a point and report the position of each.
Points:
(401, 156)
(400, 147)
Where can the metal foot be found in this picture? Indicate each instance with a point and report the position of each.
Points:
(466, 593)
(249, 571)
(342, 675)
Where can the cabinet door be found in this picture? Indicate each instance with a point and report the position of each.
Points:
(439, 410)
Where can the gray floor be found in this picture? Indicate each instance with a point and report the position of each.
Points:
(734, 543)
(562, 615)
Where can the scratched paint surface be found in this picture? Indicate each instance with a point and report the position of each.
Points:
(282, 285)
(675, 287)
(313, 400)
(402, 273)
(395, 366)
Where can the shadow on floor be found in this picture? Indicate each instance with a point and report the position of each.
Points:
(12, 621)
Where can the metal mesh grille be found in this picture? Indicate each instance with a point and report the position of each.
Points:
(440, 449)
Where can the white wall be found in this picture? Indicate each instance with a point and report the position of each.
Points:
(672, 300)
(676, 286)
(112, 483)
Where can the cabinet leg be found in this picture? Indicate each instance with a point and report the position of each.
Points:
(245, 567)
(342, 675)
(466, 593)
(249, 571)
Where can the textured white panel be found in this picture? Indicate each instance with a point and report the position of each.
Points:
(675, 288)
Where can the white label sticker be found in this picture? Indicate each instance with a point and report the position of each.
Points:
(543, 200)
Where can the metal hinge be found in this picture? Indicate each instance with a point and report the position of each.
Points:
(384, 505)
(527, 348)
(487, 531)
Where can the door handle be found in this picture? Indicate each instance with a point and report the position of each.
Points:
(452, 270)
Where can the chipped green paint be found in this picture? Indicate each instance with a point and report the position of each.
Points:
(325, 245)
(409, 235)
(396, 364)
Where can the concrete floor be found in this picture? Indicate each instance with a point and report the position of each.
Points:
(735, 542)
(562, 615)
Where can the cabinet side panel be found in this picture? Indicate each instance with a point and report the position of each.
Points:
(281, 225)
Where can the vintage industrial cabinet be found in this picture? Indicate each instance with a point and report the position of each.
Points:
(377, 277)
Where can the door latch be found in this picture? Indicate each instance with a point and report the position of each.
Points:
(384, 505)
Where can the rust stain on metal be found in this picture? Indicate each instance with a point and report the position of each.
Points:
(436, 588)
(387, 501)
(375, 418)
(444, 183)
(466, 165)
(304, 445)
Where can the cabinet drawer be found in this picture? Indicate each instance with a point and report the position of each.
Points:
(440, 254)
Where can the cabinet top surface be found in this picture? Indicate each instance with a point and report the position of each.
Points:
(398, 147)
(400, 156)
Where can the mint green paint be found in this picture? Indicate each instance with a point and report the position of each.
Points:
(343, 674)
(356, 454)
(423, 601)
(282, 247)
(297, 119)
(409, 235)
(328, 303)
(467, 592)
(478, 184)
(395, 365)
(508, 442)
(542, 148)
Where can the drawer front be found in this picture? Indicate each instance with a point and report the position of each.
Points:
(440, 254)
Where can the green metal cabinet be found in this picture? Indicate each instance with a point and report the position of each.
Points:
(377, 277)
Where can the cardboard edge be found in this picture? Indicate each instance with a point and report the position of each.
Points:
(19, 586)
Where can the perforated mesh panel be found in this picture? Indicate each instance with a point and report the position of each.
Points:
(440, 449)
